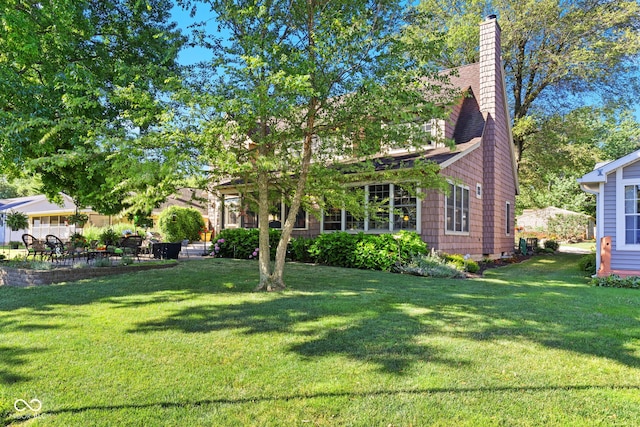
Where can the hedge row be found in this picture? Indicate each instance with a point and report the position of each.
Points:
(341, 249)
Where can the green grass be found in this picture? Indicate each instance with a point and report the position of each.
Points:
(527, 345)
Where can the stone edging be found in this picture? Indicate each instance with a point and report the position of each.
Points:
(22, 277)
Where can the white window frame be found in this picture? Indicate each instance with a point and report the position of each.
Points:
(446, 207)
(366, 220)
(621, 229)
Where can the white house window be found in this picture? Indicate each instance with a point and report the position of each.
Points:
(457, 209)
(389, 208)
(632, 214)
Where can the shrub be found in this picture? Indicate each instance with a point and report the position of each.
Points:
(177, 223)
(462, 263)
(108, 237)
(587, 263)
(241, 243)
(336, 249)
(367, 251)
(551, 244)
(568, 227)
(430, 266)
(299, 249)
(615, 281)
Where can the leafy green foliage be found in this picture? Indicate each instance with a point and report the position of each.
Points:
(461, 262)
(615, 281)
(108, 237)
(367, 251)
(587, 263)
(17, 220)
(551, 244)
(299, 249)
(568, 227)
(241, 243)
(556, 54)
(177, 223)
(82, 89)
(431, 265)
(295, 88)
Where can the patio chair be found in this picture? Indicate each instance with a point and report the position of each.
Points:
(34, 246)
(131, 245)
(58, 250)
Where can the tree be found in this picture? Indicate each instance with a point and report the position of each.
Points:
(562, 148)
(79, 81)
(556, 53)
(621, 135)
(295, 87)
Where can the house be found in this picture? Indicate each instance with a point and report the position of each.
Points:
(477, 216)
(45, 217)
(616, 185)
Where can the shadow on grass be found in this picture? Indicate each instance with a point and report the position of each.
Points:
(372, 316)
(10, 357)
(350, 395)
(376, 320)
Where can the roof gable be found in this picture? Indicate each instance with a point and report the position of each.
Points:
(601, 171)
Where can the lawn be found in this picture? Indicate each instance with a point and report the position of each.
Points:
(526, 345)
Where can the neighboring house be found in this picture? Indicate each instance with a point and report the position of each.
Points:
(477, 216)
(616, 185)
(538, 219)
(45, 217)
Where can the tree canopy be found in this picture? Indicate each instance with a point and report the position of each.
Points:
(296, 87)
(557, 54)
(78, 80)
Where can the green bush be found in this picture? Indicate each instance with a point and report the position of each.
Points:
(177, 223)
(587, 263)
(366, 251)
(461, 263)
(109, 237)
(299, 249)
(241, 243)
(615, 281)
(336, 249)
(551, 244)
(430, 266)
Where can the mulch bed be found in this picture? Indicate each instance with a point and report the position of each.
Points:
(500, 262)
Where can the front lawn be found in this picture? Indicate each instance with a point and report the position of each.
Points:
(526, 345)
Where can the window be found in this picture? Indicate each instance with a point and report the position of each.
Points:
(508, 219)
(457, 209)
(231, 212)
(333, 219)
(632, 214)
(378, 202)
(405, 210)
(276, 216)
(390, 208)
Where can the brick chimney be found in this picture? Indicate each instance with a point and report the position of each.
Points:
(491, 96)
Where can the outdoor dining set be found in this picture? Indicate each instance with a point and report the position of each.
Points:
(52, 248)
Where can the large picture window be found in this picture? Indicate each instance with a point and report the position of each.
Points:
(457, 209)
(389, 208)
(632, 214)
